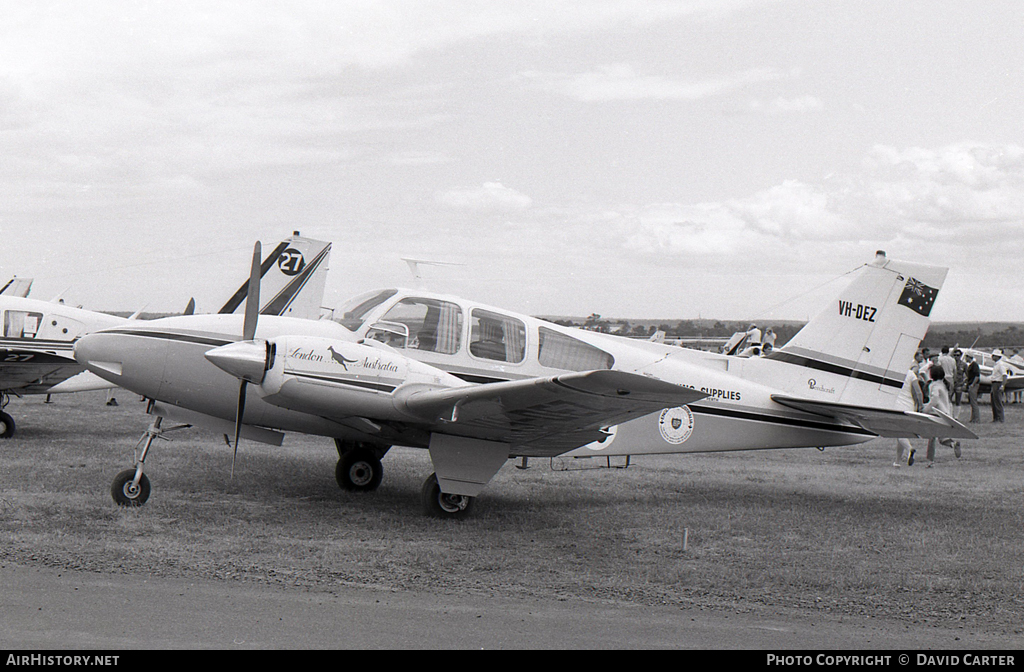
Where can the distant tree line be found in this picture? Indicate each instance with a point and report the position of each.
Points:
(1008, 336)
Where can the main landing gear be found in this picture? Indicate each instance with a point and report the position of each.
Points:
(131, 487)
(440, 504)
(6, 421)
(6, 426)
(359, 468)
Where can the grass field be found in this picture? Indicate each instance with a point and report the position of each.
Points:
(839, 531)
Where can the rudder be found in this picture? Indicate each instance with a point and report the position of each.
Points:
(859, 348)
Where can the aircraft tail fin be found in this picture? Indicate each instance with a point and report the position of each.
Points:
(293, 277)
(17, 287)
(857, 351)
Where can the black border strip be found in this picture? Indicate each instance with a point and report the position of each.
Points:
(353, 383)
(780, 420)
(169, 336)
(799, 360)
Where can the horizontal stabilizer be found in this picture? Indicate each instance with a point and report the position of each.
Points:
(883, 422)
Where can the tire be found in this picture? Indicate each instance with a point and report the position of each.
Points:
(359, 470)
(6, 426)
(442, 505)
(122, 493)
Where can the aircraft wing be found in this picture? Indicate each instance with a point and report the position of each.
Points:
(31, 372)
(547, 415)
(884, 422)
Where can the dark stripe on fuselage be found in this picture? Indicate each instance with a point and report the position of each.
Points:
(344, 381)
(779, 420)
(171, 336)
(809, 363)
(31, 343)
(472, 378)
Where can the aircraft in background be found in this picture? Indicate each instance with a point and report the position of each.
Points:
(17, 287)
(1015, 371)
(38, 336)
(359, 381)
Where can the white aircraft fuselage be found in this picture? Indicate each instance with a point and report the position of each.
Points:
(164, 360)
(476, 385)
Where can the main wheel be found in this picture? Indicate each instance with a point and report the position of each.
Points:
(359, 470)
(441, 504)
(126, 495)
(6, 426)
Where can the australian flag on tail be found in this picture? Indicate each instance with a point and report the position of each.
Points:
(918, 296)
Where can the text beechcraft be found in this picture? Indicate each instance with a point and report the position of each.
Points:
(477, 385)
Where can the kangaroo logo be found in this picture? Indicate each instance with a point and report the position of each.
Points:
(340, 359)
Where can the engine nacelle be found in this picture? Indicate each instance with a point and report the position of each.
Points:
(340, 378)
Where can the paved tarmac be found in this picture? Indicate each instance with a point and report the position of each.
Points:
(45, 609)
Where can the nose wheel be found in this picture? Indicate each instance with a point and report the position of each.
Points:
(127, 491)
(131, 487)
(441, 504)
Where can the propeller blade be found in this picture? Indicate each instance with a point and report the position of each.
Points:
(252, 298)
(252, 314)
(238, 424)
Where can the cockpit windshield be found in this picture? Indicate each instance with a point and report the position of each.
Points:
(355, 310)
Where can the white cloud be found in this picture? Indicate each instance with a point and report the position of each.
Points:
(492, 196)
(620, 82)
(950, 202)
(780, 105)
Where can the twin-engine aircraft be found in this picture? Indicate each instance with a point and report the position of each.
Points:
(38, 336)
(477, 385)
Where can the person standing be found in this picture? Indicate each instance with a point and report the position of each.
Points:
(752, 345)
(938, 400)
(973, 382)
(959, 378)
(910, 398)
(948, 365)
(998, 378)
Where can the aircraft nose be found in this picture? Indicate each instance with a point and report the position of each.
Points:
(245, 360)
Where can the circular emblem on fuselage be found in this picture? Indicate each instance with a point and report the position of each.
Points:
(291, 262)
(606, 441)
(676, 424)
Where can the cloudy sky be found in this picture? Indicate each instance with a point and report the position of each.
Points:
(676, 159)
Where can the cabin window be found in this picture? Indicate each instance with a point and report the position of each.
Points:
(354, 312)
(558, 351)
(498, 337)
(434, 326)
(21, 324)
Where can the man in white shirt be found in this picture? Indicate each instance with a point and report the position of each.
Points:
(911, 399)
(999, 373)
(948, 365)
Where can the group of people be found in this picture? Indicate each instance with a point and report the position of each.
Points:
(937, 382)
(757, 345)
